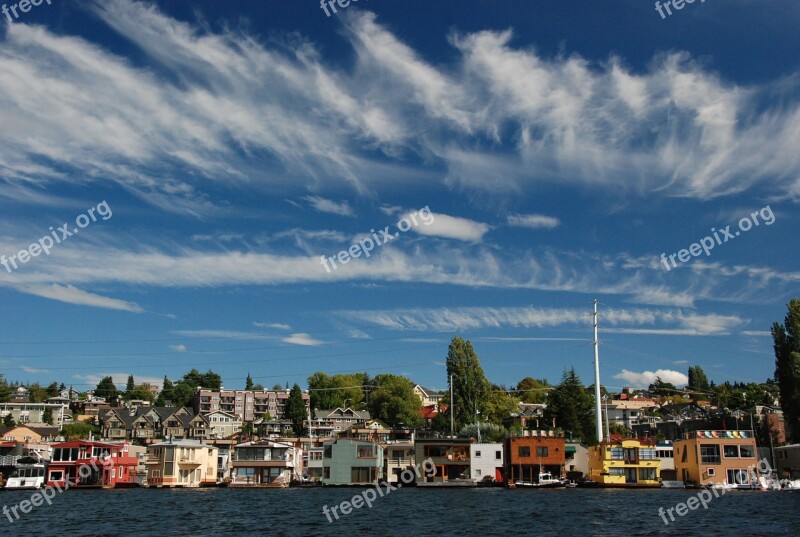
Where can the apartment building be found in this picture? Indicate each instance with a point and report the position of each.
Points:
(249, 405)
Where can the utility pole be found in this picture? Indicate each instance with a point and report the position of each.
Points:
(597, 411)
(451, 406)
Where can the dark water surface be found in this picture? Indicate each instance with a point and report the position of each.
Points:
(452, 512)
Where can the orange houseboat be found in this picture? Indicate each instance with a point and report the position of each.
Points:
(91, 464)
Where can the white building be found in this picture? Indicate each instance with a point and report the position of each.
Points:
(223, 424)
(486, 460)
(24, 413)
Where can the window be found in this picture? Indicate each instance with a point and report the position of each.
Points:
(524, 451)
(542, 451)
(56, 475)
(477, 472)
(326, 472)
(363, 474)
(365, 452)
(498, 455)
(478, 453)
(746, 452)
(648, 454)
(617, 453)
(616, 471)
(709, 453)
(328, 452)
(711, 471)
(730, 451)
(647, 474)
(435, 451)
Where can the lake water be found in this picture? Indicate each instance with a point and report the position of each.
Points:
(408, 512)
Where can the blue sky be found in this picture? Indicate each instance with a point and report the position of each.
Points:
(560, 147)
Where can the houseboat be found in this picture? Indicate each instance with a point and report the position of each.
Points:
(91, 464)
(29, 473)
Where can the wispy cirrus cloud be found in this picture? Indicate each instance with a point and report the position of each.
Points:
(533, 221)
(303, 339)
(323, 205)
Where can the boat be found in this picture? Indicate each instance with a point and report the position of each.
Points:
(546, 481)
(29, 473)
(792, 486)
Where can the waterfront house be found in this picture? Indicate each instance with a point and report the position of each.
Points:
(313, 463)
(576, 461)
(665, 453)
(181, 463)
(266, 464)
(91, 464)
(398, 457)
(533, 453)
(619, 462)
(486, 462)
(351, 462)
(451, 457)
(787, 461)
(716, 458)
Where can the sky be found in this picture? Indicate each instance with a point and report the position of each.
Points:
(258, 187)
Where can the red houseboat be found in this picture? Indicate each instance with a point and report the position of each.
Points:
(91, 464)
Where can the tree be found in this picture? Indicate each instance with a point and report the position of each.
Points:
(328, 392)
(79, 430)
(248, 383)
(129, 387)
(5, 389)
(277, 387)
(295, 409)
(37, 393)
(394, 402)
(500, 405)
(571, 408)
(106, 388)
(470, 387)
(8, 421)
(659, 387)
(258, 387)
(165, 395)
(786, 340)
(532, 390)
(697, 379)
(52, 390)
(47, 416)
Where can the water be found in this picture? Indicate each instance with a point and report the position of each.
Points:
(407, 512)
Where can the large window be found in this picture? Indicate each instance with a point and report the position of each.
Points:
(709, 453)
(647, 474)
(65, 454)
(435, 451)
(746, 452)
(363, 474)
(524, 451)
(616, 471)
(649, 454)
(366, 452)
(542, 451)
(617, 453)
(730, 452)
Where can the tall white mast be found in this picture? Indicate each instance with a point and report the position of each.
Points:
(597, 412)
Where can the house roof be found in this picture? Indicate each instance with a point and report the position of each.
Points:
(341, 413)
(427, 391)
(182, 443)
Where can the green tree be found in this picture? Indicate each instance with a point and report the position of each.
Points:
(165, 395)
(659, 387)
(47, 416)
(5, 390)
(37, 393)
(697, 379)
(532, 390)
(393, 401)
(500, 405)
(786, 340)
(248, 383)
(470, 387)
(129, 387)
(8, 421)
(52, 389)
(295, 409)
(571, 407)
(328, 392)
(277, 387)
(79, 430)
(106, 388)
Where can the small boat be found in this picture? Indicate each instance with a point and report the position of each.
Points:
(546, 481)
(29, 473)
(792, 486)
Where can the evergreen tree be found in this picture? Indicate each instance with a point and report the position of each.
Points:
(47, 416)
(248, 383)
(295, 409)
(8, 421)
(106, 388)
(5, 390)
(571, 408)
(787, 367)
(470, 387)
(697, 379)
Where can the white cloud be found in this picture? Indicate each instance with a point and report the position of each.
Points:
(178, 348)
(303, 339)
(681, 362)
(34, 369)
(533, 221)
(277, 326)
(329, 206)
(120, 379)
(645, 378)
(453, 227)
(73, 295)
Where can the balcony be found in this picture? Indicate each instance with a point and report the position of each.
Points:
(188, 461)
(152, 459)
